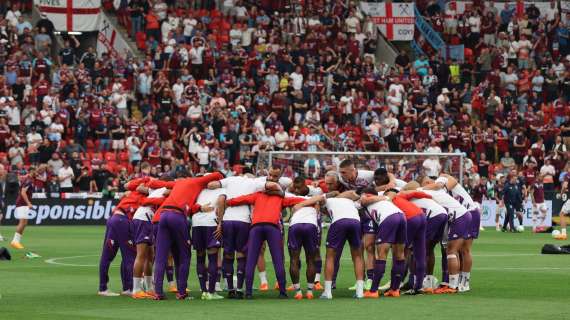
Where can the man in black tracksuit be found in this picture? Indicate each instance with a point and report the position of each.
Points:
(512, 196)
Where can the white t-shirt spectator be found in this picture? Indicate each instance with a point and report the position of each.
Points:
(432, 167)
(194, 112)
(189, 24)
(65, 176)
(352, 24)
(13, 115)
(203, 155)
(281, 139)
(196, 55)
(475, 24)
(235, 36)
(297, 79)
(399, 88)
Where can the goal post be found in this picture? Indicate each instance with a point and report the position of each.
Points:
(405, 165)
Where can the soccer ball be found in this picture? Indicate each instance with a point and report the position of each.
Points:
(555, 233)
(520, 228)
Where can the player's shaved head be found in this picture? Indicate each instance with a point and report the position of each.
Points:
(346, 163)
(274, 173)
(347, 170)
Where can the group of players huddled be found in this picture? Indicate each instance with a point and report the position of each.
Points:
(372, 210)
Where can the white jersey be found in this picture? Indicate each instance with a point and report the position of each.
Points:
(400, 183)
(460, 194)
(429, 206)
(342, 208)
(284, 182)
(314, 191)
(235, 187)
(381, 210)
(146, 213)
(210, 198)
(364, 179)
(454, 207)
(303, 215)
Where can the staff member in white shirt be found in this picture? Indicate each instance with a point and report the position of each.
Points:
(65, 176)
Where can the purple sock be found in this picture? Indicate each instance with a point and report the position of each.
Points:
(212, 272)
(201, 271)
(444, 269)
(240, 272)
(318, 266)
(397, 272)
(170, 273)
(378, 273)
(370, 274)
(228, 269)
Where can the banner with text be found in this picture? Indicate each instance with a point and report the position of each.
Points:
(55, 211)
(428, 33)
(111, 41)
(395, 20)
(71, 15)
(489, 209)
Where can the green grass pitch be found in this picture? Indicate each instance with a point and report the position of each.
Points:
(510, 280)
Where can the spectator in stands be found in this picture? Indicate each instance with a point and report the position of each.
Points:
(65, 176)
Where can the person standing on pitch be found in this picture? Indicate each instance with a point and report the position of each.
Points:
(119, 235)
(345, 226)
(512, 196)
(173, 231)
(23, 207)
(265, 226)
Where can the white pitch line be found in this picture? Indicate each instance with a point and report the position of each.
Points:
(54, 261)
(522, 268)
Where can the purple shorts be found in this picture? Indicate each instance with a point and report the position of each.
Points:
(415, 226)
(475, 223)
(368, 225)
(303, 235)
(144, 232)
(203, 238)
(460, 227)
(436, 227)
(392, 230)
(235, 235)
(343, 230)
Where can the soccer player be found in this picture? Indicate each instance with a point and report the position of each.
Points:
(143, 288)
(359, 180)
(204, 241)
(461, 195)
(304, 233)
(234, 223)
(119, 235)
(564, 212)
(435, 229)
(459, 229)
(265, 226)
(539, 208)
(23, 207)
(345, 226)
(416, 224)
(173, 231)
(391, 235)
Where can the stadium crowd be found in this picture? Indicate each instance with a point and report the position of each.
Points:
(225, 80)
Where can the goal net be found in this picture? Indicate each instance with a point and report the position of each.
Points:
(404, 165)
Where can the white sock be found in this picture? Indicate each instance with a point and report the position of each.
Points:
(263, 277)
(563, 230)
(137, 284)
(465, 277)
(328, 288)
(297, 286)
(172, 283)
(18, 237)
(453, 281)
(359, 288)
(148, 283)
(317, 277)
(310, 286)
(460, 282)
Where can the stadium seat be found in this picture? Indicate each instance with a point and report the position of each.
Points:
(110, 156)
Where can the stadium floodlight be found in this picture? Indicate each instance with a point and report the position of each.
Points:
(405, 165)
